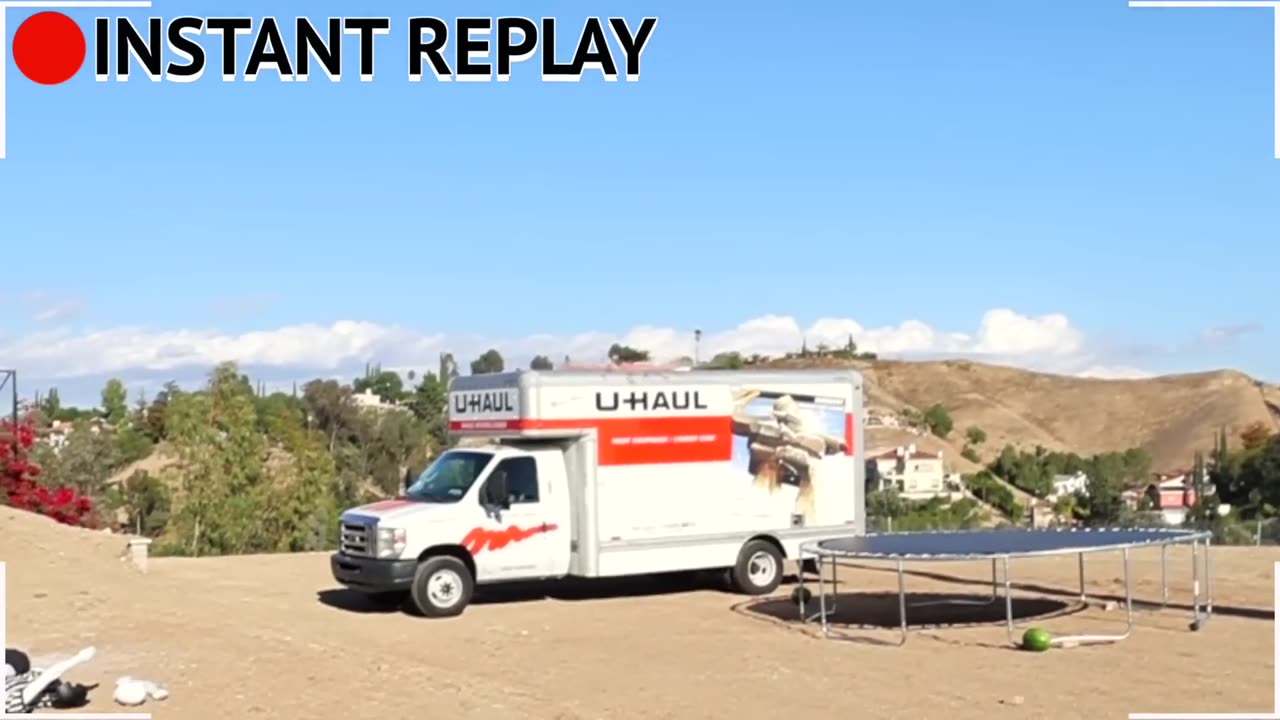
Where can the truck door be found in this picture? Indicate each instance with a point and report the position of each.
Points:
(512, 543)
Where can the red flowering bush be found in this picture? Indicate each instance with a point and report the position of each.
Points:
(20, 486)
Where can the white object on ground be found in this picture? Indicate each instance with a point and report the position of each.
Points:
(132, 691)
(46, 678)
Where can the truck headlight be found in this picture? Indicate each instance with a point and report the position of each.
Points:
(391, 542)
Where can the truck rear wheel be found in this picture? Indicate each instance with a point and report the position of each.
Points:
(759, 569)
(442, 587)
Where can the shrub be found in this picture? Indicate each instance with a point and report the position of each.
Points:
(20, 486)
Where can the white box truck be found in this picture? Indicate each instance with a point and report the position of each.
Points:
(601, 474)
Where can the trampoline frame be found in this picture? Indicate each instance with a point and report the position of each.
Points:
(1164, 538)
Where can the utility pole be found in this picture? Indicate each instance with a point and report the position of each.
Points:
(697, 347)
(9, 378)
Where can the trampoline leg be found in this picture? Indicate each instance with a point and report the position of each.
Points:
(1164, 576)
(1084, 596)
(800, 586)
(1195, 583)
(902, 605)
(1208, 580)
(1128, 596)
(1008, 604)
(1201, 618)
(995, 582)
(822, 601)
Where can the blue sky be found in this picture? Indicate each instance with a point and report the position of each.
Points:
(867, 163)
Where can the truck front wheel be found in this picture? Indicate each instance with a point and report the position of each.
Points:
(759, 569)
(442, 587)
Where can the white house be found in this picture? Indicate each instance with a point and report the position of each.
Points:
(915, 474)
(1066, 485)
(369, 400)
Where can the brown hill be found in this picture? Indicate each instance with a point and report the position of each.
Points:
(1170, 416)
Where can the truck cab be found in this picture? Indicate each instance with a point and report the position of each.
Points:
(443, 535)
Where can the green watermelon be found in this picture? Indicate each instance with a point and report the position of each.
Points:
(1037, 640)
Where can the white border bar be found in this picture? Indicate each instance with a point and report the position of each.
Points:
(77, 716)
(1203, 716)
(4, 53)
(1274, 5)
(4, 605)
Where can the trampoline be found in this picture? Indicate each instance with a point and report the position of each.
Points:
(1000, 548)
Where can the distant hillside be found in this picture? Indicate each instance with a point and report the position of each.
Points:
(1170, 416)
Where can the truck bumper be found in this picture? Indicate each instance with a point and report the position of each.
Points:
(370, 575)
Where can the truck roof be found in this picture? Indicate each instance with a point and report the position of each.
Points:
(542, 378)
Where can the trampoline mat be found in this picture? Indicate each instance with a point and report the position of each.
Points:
(996, 543)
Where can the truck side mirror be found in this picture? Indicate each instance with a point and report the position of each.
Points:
(496, 492)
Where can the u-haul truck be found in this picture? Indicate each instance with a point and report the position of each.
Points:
(604, 474)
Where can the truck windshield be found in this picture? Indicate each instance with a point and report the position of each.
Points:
(449, 477)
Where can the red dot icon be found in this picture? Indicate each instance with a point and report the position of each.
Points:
(49, 48)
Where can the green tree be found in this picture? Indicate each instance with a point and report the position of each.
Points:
(1103, 503)
(732, 360)
(330, 409)
(280, 415)
(968, 453)
(154, 419)
(132, 442)
(622, 354)
(975, 435)
(429, 404)
(938, 420)
(541, 362)
(305, 494)
(489, 362)
(385, 384)
(115, 401)
(221, 465)
(146, 502)
(84, 463)
(51, 405)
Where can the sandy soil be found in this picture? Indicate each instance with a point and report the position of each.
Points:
(273, 637)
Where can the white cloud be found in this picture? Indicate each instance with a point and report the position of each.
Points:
(1047, 342)
(1115, 372)
(45, 307)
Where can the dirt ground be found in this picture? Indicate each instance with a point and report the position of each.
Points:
(272, 636)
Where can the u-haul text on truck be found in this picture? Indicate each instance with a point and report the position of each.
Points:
(605, 474)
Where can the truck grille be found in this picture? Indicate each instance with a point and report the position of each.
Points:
(356, 539)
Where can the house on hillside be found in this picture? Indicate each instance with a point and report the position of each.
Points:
(1172, 494)
(914, 474)
(369, 400)
(881, 418)
(55, 436)
(1066, 485)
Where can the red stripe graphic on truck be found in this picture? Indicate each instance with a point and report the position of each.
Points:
(639, 440)
(648, 440)
(480, 539)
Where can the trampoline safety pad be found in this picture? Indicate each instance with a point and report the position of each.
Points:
(979, 544)
(1000, 548)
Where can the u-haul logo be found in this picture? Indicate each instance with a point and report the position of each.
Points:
(485, 402)
(51, 48)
